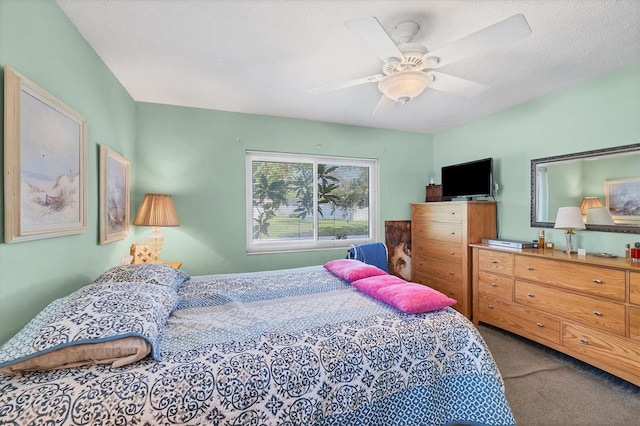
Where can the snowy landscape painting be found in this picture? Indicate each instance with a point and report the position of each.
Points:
(46, 164)
(623, 198)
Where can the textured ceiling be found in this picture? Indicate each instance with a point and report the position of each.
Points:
(261, 57)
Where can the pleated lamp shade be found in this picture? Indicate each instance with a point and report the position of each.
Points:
(156, 210)
(589, 203)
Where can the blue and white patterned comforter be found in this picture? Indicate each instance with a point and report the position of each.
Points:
(289, 347)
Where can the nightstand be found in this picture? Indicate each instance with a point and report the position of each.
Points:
(176, 265)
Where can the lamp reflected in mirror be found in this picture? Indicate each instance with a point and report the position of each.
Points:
(589, 203)
(599, 216)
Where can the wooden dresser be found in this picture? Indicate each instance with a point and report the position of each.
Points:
(440, 236)
(587, 307)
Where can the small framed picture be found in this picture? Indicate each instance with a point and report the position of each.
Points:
(114, 196)
(45, 163)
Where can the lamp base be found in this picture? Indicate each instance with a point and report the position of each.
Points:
(155, 243)
(570, 247)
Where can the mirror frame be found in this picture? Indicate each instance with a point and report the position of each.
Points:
(578, 155)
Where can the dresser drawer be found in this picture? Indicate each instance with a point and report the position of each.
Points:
(519, 319)
(452, 290)
(495, 261)
(495, 285)
(447, 232)
(602, 282)
(615, 351)
(448, 252)
(448, 212)
(634, 279)
(451, 272)
(609, 316)
(634, 323)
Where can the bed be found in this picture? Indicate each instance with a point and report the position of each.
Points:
(303, 346)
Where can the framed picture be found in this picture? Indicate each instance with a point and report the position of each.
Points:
(45, 163)
(398, 241)
(114, 196)
(623, 199)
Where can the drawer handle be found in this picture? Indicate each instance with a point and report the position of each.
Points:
(453, 233)
(450, 273)
(494, 285)
(529, 268)
(530, 295)
(494, 261)
(451, 292)
(490, 306)
(584, 341)
(539, 324)
(597, 281)
(452, 213)
(598, 314)
(451, 253)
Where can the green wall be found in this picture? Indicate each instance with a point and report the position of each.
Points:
(198, 156)
(38, 40)
(599, 113)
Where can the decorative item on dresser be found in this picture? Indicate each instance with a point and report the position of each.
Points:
(587, 307)
(440, 237)
(434, 193)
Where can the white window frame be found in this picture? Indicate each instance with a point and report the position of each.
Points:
(315, 244)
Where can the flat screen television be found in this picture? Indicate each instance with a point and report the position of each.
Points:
(472, 179)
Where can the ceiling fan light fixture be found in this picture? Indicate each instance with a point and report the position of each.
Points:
(405, 85)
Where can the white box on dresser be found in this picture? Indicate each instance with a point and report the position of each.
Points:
(585, 306)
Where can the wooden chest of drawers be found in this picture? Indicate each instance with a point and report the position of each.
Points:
(440, 237)
(586, 307)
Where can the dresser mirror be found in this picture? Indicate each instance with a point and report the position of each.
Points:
(605, 183)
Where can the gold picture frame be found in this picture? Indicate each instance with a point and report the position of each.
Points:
(114, 196)
(45, 163)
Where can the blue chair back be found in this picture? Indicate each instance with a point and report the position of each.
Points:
(371, 253)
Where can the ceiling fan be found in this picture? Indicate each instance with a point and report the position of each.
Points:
(408, 68)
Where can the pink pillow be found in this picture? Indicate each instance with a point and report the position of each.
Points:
(414, 298)
(372, 285)
(352, 270)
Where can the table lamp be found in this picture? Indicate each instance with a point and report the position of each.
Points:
(156, 210)
(589, 203)
(569, 218)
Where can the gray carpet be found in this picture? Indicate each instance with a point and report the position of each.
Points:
(545, 387)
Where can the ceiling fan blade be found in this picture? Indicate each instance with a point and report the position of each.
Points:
(492, 37)
(370, 79)
(375, 37)
(384, 104)
(455, 85)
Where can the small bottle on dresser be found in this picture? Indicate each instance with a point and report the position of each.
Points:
(627, 251)
(541, 244)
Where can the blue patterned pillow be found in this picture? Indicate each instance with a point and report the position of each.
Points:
(152, 273)
(87, 320)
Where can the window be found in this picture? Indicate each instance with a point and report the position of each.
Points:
(303, 202)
